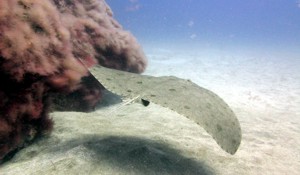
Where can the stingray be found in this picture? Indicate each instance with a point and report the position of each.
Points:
(183, 96)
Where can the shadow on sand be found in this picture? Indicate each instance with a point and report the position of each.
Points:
(133, 154)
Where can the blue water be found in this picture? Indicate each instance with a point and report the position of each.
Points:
(257, 24)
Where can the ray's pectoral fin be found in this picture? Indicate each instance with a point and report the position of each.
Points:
(183, 96)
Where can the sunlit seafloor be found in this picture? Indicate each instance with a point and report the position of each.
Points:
(263, 90)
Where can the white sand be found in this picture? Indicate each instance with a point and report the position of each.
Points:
(262, 89)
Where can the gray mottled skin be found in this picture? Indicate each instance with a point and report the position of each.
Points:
(183, 96)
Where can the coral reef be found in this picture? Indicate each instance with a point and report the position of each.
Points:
(41, 43)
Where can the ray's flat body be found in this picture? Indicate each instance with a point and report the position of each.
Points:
(183, 96)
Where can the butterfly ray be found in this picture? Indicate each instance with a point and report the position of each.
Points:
(183, 96)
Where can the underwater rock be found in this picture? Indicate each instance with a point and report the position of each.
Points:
(40, 44)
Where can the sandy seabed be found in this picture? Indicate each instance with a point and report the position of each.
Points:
(263, 90)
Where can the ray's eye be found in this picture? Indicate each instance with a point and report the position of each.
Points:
(145, 102)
